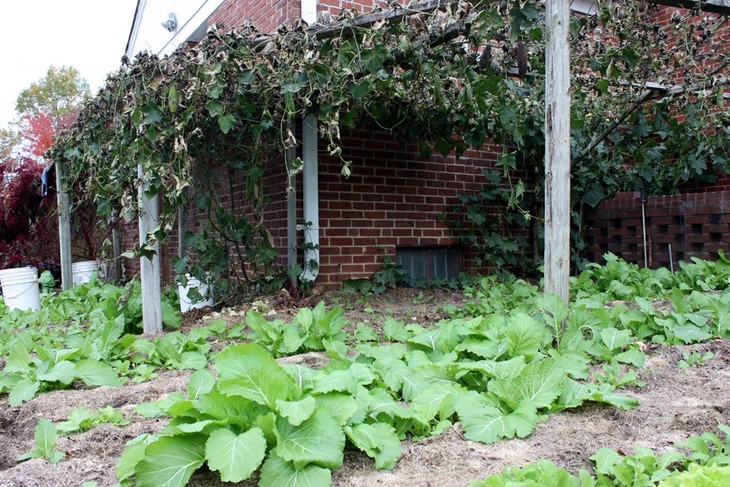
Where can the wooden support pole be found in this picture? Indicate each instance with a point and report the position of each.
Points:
(149, 209)
(291, 209)
(64, 227)
(557, 149)
(115, 270)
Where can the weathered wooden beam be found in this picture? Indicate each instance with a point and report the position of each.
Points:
(149, 267)
(557, 149)
(64, 227)
(721, 7)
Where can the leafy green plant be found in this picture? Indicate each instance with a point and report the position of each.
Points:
(389, 276)
(699, 476)
(45, 441)
(314, 329)
(709, 465)
(614, 375)
(84, 419)
(694, 359)
(495, 235)
(255, 416)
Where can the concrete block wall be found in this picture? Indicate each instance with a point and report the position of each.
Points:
(692, 225)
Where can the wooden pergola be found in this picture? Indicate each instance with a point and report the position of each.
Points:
(557, 153)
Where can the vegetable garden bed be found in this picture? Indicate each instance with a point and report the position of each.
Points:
(685, 391)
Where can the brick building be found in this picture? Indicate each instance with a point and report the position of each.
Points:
(394, 201)
(392, 205)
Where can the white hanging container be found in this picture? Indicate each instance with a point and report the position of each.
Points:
(81, 272)
(20, 288)
(205, 290)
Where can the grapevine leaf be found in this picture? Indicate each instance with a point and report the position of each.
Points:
(236, 457)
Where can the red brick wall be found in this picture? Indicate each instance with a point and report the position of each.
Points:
(694, 225)
(394, 198)
(266, 15)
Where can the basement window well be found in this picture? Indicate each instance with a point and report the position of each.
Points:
(424, 265)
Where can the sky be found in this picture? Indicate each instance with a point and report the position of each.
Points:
(89, 35)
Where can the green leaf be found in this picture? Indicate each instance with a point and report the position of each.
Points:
(296, 412)
(95, 373)
(23, 390)
(170, 461)
(173, 99)
(359, 90)
(236, 457)
(394, 330)
(616, 339)
(226, 122)
(341, 406)
(201, 382)
(632, 356)
(62, 372)
(215, 108)
(605, 394)
(605, 459)
(379, 441)
(524, 335)
(45, 437)
(318, 440)
(483, 421)
(539, 382)
(277, 472)
(249, 371)
(132, 455)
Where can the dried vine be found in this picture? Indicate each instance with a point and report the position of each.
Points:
(459, 74)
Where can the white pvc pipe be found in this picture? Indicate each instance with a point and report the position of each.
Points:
(310, 197)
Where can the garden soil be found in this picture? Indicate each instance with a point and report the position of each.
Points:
(675, 403)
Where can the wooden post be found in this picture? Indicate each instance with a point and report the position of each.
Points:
(182, 227)
(115, 270)
(149, 267)
(557, 149)
(64, 227)
(291, 209)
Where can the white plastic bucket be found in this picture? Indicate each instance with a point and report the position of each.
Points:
(205, 290)
(82, 271)
(20, 288)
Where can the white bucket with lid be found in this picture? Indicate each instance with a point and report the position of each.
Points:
(205, 290)
(20, 288)
(82, 271)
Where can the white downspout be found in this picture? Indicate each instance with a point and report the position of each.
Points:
(310, 198)
(309, 11)
(310, 176)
